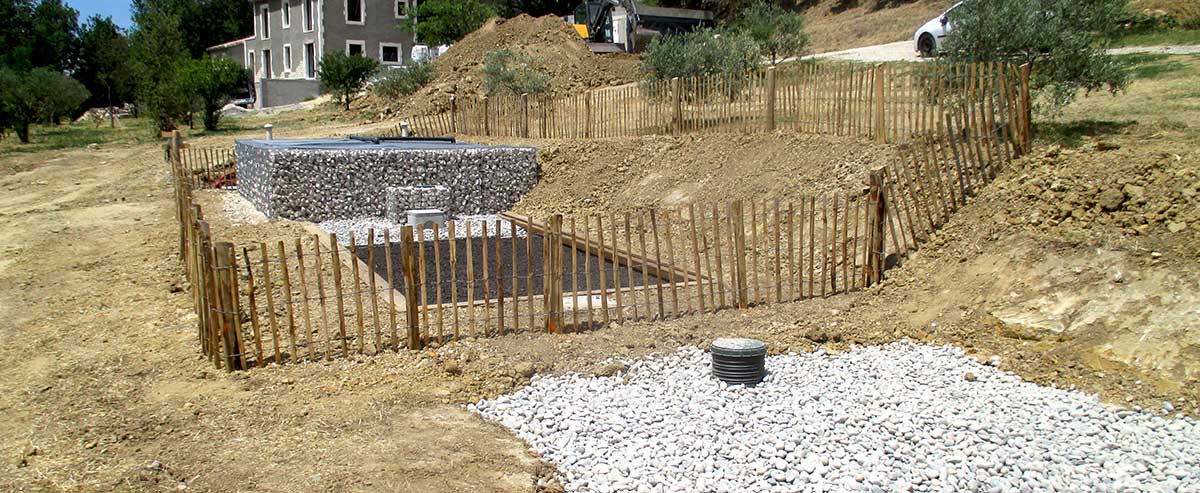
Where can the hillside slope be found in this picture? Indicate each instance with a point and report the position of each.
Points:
(842, 24)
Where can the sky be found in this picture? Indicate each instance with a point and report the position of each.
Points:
(119, 10)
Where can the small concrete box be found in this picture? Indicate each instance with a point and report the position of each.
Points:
(401, 200)
(426, 217)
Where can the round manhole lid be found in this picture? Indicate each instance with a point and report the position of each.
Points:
(737, 346)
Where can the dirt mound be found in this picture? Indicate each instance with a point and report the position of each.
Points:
(563, 55)
(620, 174)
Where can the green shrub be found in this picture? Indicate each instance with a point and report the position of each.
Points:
(402, 81)
(515, 72)
(700, 53)
(345, 75)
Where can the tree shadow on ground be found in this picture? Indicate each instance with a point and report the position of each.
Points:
(1071, 133)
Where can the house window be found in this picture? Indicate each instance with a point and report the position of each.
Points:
(402, 7)
(309, 8)
(390, 53)
(287, 59)
(356, 11)
(266, 67)
(355, 47)
(265, 22)
(310, 61)
(250, 63)
(287, 14)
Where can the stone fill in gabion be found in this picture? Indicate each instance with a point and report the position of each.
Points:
(318, 180)
(400, 200)
(901, 417)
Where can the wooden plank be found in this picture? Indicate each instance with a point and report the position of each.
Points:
(258, 352)
(487, 289)
(471, 278)
(791, 251)
(708, 266)
(499, 281)
(270, 288)
(529, 268)
(612, 224)
(604, 316)
(358, 308)
(408, 263)
(658, 258)
(288, 303)
(754, 260)
(701, 305)
(671, 260)
(337, 288)
(437, 280)
(324, 329)
(633, 301)
(574, 277)
(516, 289)
(387, 253)
(587, 271)
(373, 286)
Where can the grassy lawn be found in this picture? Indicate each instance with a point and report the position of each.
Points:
(130, 131)
(1164, 98)
(1161, 38)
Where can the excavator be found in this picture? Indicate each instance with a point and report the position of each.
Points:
(614, 26)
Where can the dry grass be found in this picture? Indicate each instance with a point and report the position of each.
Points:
(1182, 10)
(833, 28)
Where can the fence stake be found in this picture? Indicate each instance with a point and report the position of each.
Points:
(880, 125)
(337, 288)
(372, 286)
(604, 317)
(387, 253)
(308, 330)
(357, 291)
(552, 274)
(408, 263)
(287, 296)
(877, 214)
(230, 314)
(677, 111)
(524, 116)
(770, 106)
(701, 308)
(1026, 109)
(258, 353)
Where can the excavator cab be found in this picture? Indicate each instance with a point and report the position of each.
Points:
(612, 26)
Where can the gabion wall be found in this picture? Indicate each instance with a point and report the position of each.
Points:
(402, 199)
(345, 181)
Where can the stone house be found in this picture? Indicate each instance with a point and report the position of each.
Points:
(290, 36)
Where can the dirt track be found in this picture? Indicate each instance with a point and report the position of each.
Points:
(904, 51)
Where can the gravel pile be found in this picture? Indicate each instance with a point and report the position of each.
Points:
(900, 417)
(361, 226)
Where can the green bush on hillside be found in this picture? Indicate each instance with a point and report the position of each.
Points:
(701, 53)
(514, 72)
(402, 81)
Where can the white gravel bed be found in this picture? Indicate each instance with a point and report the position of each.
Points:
(901, 417)
(360, 227)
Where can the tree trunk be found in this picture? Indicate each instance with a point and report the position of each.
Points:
(22, 129)
(112, 116)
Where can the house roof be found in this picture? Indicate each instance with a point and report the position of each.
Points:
(230, 43)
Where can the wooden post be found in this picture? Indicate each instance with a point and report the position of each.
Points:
(770, 106)
(552, 274)
(230, 315)
(587, 115)
(408, 262)
(524, 117)
(677, 109)
(487, 121)
(739, 249)
(1026, 109)
(876, 218)
(880, 125)
(258, 352)
(453, 115)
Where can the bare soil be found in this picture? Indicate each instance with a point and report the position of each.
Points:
(834, 25)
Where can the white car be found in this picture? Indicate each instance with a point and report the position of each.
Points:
(930, 36)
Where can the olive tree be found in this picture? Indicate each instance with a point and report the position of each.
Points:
(40, 95)
(1065, 42)
(345, 75)
(779, 32)
(213, 81)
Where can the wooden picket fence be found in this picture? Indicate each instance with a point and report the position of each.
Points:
(313, 298)
(886, 103)
(209, 166)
